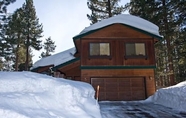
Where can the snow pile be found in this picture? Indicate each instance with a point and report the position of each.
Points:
(174, 96)
(32, 95)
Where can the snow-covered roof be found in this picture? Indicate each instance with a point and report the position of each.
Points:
(56, 59)
(125, 19)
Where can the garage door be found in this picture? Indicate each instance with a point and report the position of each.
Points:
(120, 88)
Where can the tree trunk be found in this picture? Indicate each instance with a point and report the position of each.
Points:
(167, 38)
(109, 9)
(27, 54)
(17, 58)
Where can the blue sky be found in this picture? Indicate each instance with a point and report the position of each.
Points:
(61, 19)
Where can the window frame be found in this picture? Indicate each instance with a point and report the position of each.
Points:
(100, 56)
(135, 56)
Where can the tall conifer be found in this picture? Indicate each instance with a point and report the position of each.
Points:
(102, 9)
(167, 15)
(49, 47)
(32, 29)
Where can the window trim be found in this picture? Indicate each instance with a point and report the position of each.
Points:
(100, 56)
(135, 56)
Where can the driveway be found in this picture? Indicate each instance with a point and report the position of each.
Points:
(137, 109)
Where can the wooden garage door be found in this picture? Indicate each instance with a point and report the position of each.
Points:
(120, 88)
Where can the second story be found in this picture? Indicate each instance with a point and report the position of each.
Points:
(123, 40)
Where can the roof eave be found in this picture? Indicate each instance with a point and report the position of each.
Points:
(137, 29)
(64, 64)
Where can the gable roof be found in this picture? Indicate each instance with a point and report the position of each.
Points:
(132, 21)
(55, 59)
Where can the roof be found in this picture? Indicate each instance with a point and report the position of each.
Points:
(55, 59)
(125, 19)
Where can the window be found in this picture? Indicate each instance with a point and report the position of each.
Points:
(135, 49)
(99, 49)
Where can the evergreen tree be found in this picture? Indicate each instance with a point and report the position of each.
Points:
(49, 46)
(15, 37)
(1, 64)
(102, 9)
(168, 15)
(3, 21)
(3, 5)
(32, 29)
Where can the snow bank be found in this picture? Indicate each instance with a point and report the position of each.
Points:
(32, 95)
(174, 97)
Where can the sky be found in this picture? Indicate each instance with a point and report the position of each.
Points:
(61, 19)
(33, 95)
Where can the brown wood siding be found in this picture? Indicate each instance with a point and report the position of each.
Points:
(147, 74)
(117, 30)
(117, 50)
(72, 70)
(128, 88)
(117, 35)
(45, 68)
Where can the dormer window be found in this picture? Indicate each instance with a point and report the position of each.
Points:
(99, 49)
(135, 50)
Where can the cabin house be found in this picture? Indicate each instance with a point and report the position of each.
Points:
(117, 54)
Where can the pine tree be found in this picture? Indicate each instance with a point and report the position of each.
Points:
(3, 5)
(165, 14)
(32, 29)
(49, 47)
(15, 37)
(102, 9)
(1, 64)
(3, 21)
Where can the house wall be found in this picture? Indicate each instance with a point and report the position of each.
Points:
(117, 52)
(72, 71)
(147, 74)
(45, 69)
(117, 35)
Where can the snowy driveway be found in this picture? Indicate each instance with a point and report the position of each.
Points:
(137, 110)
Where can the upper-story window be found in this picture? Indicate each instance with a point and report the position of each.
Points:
(135, 49)
(99, 49)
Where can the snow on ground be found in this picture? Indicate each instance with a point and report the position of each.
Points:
(32, 95)
(167, 102)
(173, 96)
(137, 109)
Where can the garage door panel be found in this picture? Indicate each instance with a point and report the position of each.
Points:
(124, 88)
(112, 89)
(102, 88)
(138, 94)
(111, 96)
(101, 95)
(110, 80)
(97, 81)
(124, 96)
(120, 88)
(137, 89)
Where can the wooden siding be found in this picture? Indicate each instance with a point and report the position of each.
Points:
(147, 74)
(117, 50)
(72, 70)
(117, 30)
(44, 69)
(128, 88)
(117, 35)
